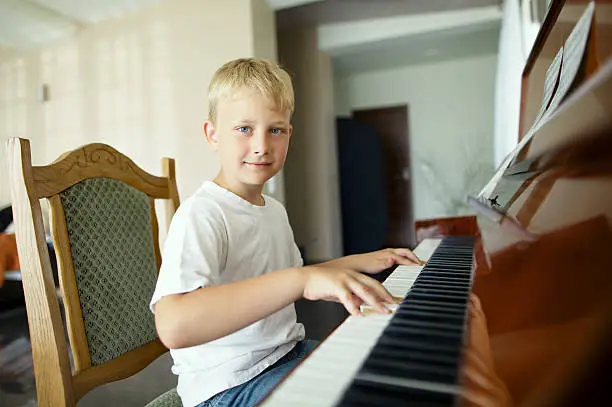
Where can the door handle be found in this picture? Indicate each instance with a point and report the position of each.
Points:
(406, 174)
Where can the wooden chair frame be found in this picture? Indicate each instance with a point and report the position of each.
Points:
(56, 384)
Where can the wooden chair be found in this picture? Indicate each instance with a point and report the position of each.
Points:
(105, 232)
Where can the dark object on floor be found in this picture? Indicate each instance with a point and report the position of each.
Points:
(16, 366)
(6, 217)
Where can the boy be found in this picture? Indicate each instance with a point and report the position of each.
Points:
(231, 270)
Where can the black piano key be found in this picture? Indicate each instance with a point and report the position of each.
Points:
(447, 252)
(441, 287)
(425, 335)
(463, 263)
(448, 264)
(462, 289)
(424, 323)
(447, 273)
(416, 344)
(432, 316)
(444, 280)
(454, 255)
(435, 297)
(368, 394)
(410, 370)
(432, 305)
(407, 354)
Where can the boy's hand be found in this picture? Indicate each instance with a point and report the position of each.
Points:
(347, 287)
(375, 262)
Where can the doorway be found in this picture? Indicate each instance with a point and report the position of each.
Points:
(387, 158)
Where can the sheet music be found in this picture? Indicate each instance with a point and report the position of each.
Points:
(552, 76)
(573, 56)
(565, 67)
(550, 84)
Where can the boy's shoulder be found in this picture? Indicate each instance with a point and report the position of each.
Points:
(200, 204)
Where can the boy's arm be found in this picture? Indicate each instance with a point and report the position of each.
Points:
(209, 313)
(374, 262)
(212, 312)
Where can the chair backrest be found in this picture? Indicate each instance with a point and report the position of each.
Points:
(105, 233)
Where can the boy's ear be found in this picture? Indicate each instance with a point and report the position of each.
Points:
(211, 134)
(290, 130)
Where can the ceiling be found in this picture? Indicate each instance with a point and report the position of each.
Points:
(333, 11)
(25, 23)
(420, 49)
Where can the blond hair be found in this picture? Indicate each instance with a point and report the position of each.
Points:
(263, 76)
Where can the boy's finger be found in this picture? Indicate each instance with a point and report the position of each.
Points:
(379, 289)
(363, 292)
(347, 300)
(408, 254)
(401, 260)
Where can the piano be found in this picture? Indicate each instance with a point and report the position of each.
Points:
(517, 312)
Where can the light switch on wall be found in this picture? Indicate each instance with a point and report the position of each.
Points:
(43, 93)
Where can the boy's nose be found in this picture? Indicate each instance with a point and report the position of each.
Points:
(260, 144)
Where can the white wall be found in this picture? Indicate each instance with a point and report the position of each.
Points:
(450, 124)
(138, 83)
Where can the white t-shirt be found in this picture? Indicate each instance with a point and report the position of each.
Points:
(215, 238)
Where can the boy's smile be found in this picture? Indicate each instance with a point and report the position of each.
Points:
(252, 137)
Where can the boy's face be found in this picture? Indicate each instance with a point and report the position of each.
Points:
(251, 136)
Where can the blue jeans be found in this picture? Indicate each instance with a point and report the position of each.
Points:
(252, 392)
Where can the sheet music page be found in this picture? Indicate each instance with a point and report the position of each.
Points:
(568, 61)
(573, 57)
(550, 84)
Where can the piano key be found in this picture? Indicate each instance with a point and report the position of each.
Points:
(443, 299)
(321, 379)
(411, 321)
(416, 344)
(441, 308)
(418, 314)
(459, 287)
(443, 279)
(396, 329)
(426, 306)
(399, 382)
(410, 370)
(367, 394)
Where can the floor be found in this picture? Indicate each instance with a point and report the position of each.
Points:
(17, 378)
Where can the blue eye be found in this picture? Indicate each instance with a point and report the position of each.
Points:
(277, 130)
(243, 129)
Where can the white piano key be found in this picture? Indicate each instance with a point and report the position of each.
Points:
(321, 379)
(332, 365)
(426, 248)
